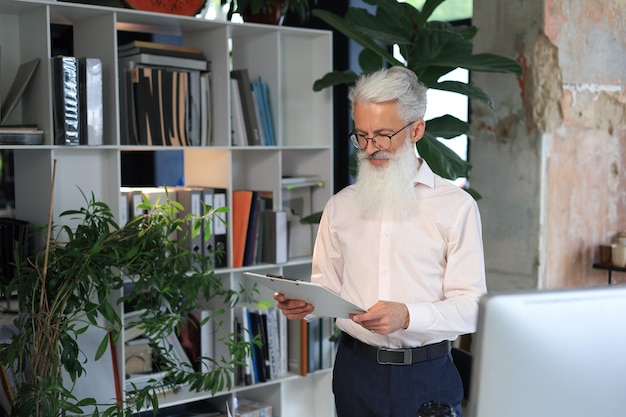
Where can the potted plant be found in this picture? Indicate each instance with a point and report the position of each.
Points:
(431, 49)
(75, 282)
(268, 11)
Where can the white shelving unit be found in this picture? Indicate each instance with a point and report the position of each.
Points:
(288, 59)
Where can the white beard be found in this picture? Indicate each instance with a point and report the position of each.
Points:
(390, 187)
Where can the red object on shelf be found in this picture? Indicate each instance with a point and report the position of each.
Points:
(181, 7)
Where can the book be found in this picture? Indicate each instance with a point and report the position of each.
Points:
(239, 133)
(136, 382)
(260, 93)
(134, 197)
(66, 108)
(104, 391)
(208, 226)
(298, 347)
(194, 128)
(242, 204)
(314, 345)
(248, 106)
(268, 112)
(266, 203)
(166, 106)
(258, 333)
(256, 96)
(206, 108)
(182, 106)
(249, 408)
(219, 234)
(128, 117)
(298, 179)
(273, 343)
(155, 48)
(20, 135)
(189, 336)
(283, 341)
(297, 202)
(21, 81)
(251, 233)
(274, 237)
(242, 318)
(144, 97)
(327, 346)
(160, 60)
(91, 103)
(191, 200)
(207, 344)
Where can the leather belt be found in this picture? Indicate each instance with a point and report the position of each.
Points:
(388, 356)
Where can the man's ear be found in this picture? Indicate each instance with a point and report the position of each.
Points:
(417, 130)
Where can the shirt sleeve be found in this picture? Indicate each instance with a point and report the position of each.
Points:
(327, 263)
(463, 283)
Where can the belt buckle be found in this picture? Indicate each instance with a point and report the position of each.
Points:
(407, 356)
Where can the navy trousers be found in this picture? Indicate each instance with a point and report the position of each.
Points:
(364, 388)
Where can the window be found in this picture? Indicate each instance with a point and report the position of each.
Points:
(443, 102)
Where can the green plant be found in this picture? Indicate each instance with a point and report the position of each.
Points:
(431, 49)
(75, 281)
(300, 8)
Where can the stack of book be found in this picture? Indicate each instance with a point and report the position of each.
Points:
(78, 107)
(268, 360)
(259, 232)
(165, 95)
(253, 124)
(194, 200)
(310, 345)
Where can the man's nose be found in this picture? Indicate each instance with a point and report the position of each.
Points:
(370, 149)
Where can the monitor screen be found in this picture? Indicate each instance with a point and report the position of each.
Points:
(550, 353)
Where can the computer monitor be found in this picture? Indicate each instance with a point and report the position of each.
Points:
(550, 354)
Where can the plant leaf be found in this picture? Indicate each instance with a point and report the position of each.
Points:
(447, 127)
(335, 78)
(468, 90)
(369, 61)
(441, 159)
(403, 16)
(383, 27)
(311, 218)
(365, 41)
(427, 10)
(484, 63)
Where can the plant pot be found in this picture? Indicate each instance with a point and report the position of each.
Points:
(270, 14)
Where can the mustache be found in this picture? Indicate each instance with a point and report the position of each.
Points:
(376, 155)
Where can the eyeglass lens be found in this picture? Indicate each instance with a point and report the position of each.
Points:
(381, 142)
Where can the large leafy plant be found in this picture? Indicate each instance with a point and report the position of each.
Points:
(431, 49)
(301, 8)
(75, 282)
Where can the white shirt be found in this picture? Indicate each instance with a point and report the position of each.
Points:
(433, 262)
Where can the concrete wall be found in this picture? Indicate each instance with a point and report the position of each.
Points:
(550, 159)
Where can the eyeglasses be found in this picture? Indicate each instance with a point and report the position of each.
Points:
(381, 142)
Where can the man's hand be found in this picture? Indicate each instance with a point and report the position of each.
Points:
(293, 309)
(384, 317)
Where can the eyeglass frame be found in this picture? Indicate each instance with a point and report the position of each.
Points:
(354, 139)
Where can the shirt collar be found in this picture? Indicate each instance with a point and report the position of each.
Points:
(424, 174)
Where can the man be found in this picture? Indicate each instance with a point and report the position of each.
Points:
(407, 244)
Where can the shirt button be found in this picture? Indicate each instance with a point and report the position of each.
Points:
(395, 343)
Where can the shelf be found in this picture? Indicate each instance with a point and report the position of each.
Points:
(288, 59)
(609, 268)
